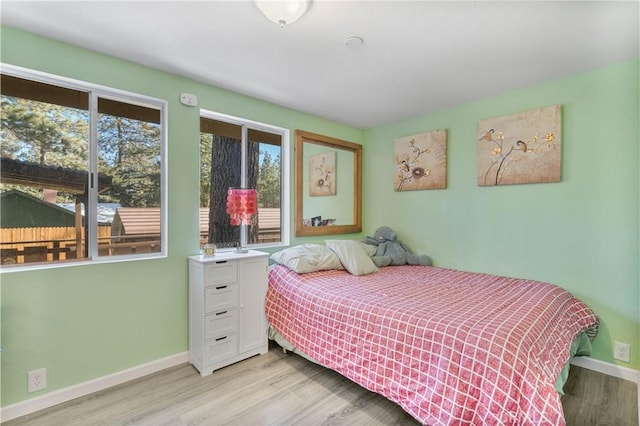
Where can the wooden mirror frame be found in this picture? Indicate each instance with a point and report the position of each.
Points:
(356, 149)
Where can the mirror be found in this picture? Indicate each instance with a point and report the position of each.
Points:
(328, 188)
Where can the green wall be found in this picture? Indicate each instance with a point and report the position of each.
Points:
(85, 322)
(89, 321)
(580, 233)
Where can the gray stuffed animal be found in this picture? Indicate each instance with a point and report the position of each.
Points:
(392, 251)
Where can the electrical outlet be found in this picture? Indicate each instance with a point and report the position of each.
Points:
(37, 380)
(621, 351)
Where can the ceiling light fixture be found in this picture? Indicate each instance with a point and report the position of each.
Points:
(283, 12)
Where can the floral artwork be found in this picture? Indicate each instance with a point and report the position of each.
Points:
(322, 174)
(421, 161)
(520, 148)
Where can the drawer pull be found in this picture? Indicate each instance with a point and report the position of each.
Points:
(221, 261)
(221, 338)
(221, 287)
(221, 313)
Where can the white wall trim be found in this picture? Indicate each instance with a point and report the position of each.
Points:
(607, 368)
(32, 405)
(610, 370)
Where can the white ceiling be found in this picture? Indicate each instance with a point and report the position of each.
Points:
(418, 56)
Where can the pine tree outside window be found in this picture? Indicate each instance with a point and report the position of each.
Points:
(82, 175)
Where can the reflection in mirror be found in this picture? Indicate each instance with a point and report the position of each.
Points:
(328, 185)
(327, 182)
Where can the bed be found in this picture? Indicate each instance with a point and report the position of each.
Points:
(450, 347)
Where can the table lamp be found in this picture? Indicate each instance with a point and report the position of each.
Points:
(242, 204)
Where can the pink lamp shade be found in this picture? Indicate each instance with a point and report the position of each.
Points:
(242, 204)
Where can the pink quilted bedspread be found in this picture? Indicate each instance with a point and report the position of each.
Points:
(449, 347)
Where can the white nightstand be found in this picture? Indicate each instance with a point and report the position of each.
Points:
(227, 322)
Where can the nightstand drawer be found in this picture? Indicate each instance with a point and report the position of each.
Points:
(222, 272)
(220, 297)
(220, 349)
(220, 324)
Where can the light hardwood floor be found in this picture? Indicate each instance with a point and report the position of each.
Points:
(285, 389)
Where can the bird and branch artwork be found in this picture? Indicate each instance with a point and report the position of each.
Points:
(322, 174)
(421, 161)
(520, 148)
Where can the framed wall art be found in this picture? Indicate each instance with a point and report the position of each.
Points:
(421, 161)
(520, 148)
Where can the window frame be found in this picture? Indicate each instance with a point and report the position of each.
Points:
(95, 92)
(285, 178)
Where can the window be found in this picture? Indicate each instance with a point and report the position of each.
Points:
(81, 176)
(241, 153)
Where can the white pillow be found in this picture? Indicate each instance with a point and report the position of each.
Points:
(307, 258)
(353, 256)
(370, 249)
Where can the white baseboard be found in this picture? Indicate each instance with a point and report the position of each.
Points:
(607, 368)
(67, 394)
(32, 405)
(611, 370)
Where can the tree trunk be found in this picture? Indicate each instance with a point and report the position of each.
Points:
(225, 173)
